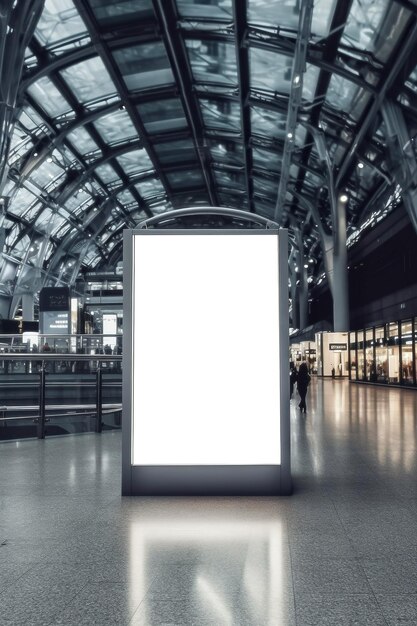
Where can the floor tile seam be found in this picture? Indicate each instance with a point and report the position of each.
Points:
(362, 569)
(66, 603)
(5, 589)
(294, 602)
(356, 557)
(143, 599)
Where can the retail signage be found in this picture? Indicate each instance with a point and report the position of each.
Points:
(54, 322)
(54, 299)
(338, 346)
(205, 381)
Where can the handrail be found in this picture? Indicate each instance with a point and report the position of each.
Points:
(207, 210)
(58, 356)
(41, 359)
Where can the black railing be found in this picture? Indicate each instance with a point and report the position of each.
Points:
(62, 393)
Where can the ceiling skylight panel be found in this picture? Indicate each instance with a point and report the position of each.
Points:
(229, 178)
(229, 152)
(268, 122)
(29, 120)
(48, 97)
(20, 145)
(144, 66)
(31, 213)
(89, 80)
(274, 13)
(310, 78)
(106, 173)
(135, 162)
(265, 186)
(221, 114)
(215, 10)
(45, 173)
(375, 26)
(21, 201)
(82, 140)
(270, 71)
(116, 128)
(346, 96)
(162, 115)
(181, 150)
(59, 22)
(266, 159)
(125, 197)
(45, 221)
(111, 12)
(213, 61)
(322, 17)
(150, 187)
(185, 179)
(159, 205)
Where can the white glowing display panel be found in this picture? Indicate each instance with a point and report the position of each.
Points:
(206, 366)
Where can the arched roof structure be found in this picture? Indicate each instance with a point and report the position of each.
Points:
(117, 111)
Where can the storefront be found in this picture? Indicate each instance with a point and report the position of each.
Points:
(332, 354)
(304, 351)
(384, 354)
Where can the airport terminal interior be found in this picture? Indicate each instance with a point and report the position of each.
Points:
(286, 123)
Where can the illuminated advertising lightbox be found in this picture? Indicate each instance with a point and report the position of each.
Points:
(204, 397)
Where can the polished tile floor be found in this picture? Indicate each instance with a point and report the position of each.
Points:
(341, 551)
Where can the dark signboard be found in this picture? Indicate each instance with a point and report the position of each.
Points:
(54, 299)
(337, 346)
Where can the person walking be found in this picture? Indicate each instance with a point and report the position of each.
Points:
(293, 379)
(303, 381)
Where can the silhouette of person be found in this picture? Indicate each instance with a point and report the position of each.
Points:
(293, 379)
(303, 382)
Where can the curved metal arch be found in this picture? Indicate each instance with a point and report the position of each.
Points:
(207, 210)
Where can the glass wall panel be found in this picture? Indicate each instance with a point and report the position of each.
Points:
(393, 353)
(415, 341)
(370, 368)
(361, 356)
(353, 370)
(407, 360)
(381, 355)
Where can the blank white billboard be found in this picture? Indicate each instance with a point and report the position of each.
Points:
(206, 363)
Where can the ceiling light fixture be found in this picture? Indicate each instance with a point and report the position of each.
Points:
(343, 198)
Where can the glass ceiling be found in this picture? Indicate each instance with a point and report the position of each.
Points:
(126, 110)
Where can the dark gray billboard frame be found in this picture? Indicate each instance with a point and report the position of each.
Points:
(205, 480)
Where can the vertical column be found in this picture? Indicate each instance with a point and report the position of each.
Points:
(294, 298)
(340, 275)
(302, 282)
(27, 307)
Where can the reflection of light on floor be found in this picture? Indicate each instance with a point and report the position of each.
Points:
(215, 601)
(216, 548)
(339, 400)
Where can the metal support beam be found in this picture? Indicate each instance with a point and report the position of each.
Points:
(402, 156)
(298, 69)
(407, 48)
(17, 24)
(302, 285)
(167, 16)
(242, 56)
